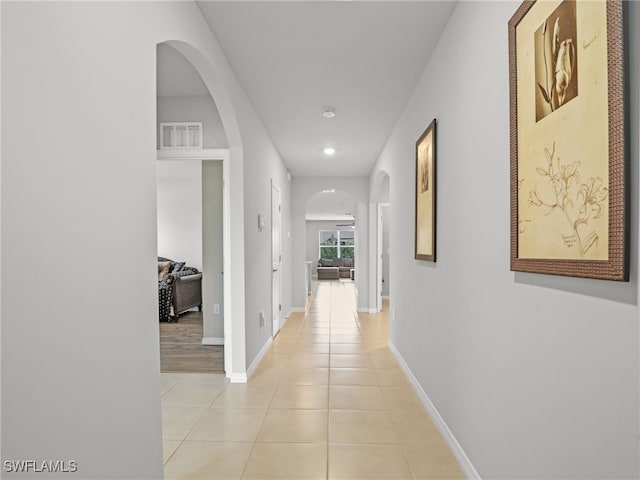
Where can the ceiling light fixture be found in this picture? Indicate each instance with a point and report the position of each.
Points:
(328, 112)
(329, 151)
(329, 190)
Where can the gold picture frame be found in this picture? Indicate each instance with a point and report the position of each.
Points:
(568, 150)
(425, 220)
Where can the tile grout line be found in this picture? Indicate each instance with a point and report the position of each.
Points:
(164, 463)
(193, 427)
(329, 379)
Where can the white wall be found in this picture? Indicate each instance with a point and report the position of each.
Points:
(258, 250)
(80, 355)
(212, 253)
(331, 206)
(180, 211)
(194, 109)
(536, 376)
(74, 385)
(303, 189)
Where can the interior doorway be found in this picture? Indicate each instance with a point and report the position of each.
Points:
(381, 258)
(189, 241)
(382, 255)
(276, 258)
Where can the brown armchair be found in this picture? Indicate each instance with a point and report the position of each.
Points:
(178, 291)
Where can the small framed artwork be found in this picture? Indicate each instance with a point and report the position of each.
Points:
(568, 151)
(425, 224)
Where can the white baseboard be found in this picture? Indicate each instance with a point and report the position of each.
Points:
(462, 458)
(258, 359)
(237, 377)
(212, 340)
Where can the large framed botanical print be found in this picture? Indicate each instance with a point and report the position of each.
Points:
(425, 224)
(568, 168)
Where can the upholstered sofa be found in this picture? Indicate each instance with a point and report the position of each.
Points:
(179, 289)
(334, 268)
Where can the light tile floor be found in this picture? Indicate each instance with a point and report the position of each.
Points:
(328, 401)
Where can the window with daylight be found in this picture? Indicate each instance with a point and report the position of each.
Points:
(337, 243)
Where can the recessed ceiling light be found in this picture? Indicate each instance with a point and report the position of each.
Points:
(329, 151)
(329, 190)
(328, 112)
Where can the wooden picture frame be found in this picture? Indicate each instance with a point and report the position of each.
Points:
(425, 219)
(568, 150)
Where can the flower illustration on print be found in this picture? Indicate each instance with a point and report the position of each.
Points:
(564, 68)
(578, 203)
(555, 60)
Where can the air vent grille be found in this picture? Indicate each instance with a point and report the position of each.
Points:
(180, 135)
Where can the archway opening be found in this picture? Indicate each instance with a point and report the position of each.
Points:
(191, 227)
(332, 251)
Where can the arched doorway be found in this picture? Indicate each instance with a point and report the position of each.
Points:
(225, 128)
(331, 220)
(303, 190)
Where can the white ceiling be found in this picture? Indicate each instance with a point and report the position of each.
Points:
(294, 58)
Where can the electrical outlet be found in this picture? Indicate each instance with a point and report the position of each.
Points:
(216, 308)
(262, 319)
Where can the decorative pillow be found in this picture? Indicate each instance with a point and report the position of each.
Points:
(325, 262)
(188, 271)
(177, 266)
(347, 262)
(163, 269)
(337, 262)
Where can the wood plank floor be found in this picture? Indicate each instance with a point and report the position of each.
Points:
(181, 348)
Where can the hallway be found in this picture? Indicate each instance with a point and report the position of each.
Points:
(328, 400)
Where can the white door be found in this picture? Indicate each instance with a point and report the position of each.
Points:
(276, 257)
